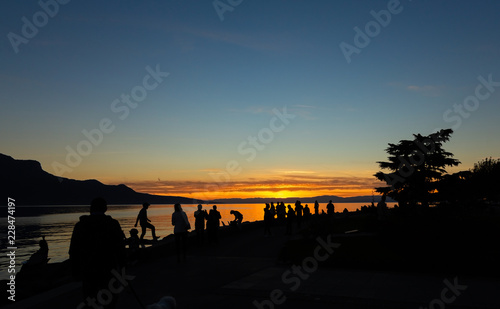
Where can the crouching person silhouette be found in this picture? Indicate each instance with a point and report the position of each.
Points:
(97, 255)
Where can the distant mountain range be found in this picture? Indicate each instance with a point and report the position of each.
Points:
(27, 183)
(291, 200)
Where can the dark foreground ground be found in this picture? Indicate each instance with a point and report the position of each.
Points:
(248, 270)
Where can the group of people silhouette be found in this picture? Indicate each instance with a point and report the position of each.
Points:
(98, 244)
(182, 226)
(280, 214)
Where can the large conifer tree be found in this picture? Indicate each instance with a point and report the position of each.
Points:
(415, 167)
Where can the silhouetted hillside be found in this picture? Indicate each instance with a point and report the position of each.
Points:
(29, 184)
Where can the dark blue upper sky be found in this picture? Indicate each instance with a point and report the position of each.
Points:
(417, 73)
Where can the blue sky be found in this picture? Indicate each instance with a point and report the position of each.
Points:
(226, 77)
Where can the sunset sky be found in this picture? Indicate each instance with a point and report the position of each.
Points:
(206, 99)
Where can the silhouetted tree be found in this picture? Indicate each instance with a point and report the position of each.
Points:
(416, 167)
(486, 179)
(456, 188)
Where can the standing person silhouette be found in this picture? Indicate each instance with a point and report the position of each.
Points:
(273, 211)
(268, 220)
(306, 212)
(290, 217)
(316, 208)
(143, 220)
(382, 207)
(281, 212)
(298, 212)
(330, 208)
(213, 224)
(199, 223)
(181, 227)
(97, 254)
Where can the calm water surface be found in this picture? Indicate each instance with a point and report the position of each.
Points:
(56, 224)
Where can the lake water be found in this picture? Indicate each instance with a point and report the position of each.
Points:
(56, 224)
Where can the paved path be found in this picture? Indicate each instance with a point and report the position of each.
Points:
(244, 272)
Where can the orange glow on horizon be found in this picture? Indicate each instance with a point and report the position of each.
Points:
(262, 187)
(282, 194)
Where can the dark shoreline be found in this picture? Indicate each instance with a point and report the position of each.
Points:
(402, 244)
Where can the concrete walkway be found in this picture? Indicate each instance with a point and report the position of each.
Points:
(244, 272)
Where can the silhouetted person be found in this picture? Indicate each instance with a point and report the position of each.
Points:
(238, 218)
(268, 218)
(143, 220)
(134, 244)
(97, 254)
(382, 207)
(200, 216)
(181, 226)
(316, 208)
(330, 208)
(281, 212)
(37, 260)
(273, 212)
(213, 224)
(42, 254)
(44, 246)
(298, 212)
(290, 218)
(307, 213)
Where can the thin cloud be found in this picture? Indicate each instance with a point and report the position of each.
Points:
(426, 90)
(291, 183)
(305, 106)
(254, 110)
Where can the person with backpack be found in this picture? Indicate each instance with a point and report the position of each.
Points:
(97, 254)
